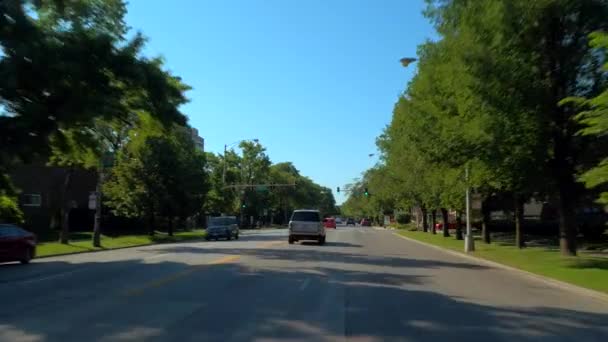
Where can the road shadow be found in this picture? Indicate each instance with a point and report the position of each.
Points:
(294, 254)
(262, 237)
(598, 263)
(342, 244)
(234, 302)
(330, 244)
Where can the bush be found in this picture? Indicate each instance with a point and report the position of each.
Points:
(9, 210)
(404, 218)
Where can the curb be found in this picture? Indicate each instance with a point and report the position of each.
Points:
(548, 281)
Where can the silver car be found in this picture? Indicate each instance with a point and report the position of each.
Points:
(306, 225)
(222, 227)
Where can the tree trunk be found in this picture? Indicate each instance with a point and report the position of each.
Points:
(97, 222)
(170, 228)
(485, 223)
(151, 222)
(458, 226)
(566, 203)
(564, 155)
(518, 210)
(425, 223)
(66, 207)
(433, 221)
(444, 216)
(567, 227)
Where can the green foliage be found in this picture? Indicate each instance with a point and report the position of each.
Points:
(9, 210)
(486, 98)
(71, 81)
(403, 218)
(253, 166)
(158, 176)
(595, 121)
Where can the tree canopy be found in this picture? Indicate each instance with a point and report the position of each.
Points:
(489, 97)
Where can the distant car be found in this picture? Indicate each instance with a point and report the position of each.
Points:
(366, 223)
(222, 227)
(329, 222)
(338, 220)
(350, 221)
(451, 225)
(16, 244)
(306, 225)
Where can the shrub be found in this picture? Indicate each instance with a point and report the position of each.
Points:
(404, 218)
(9, 210)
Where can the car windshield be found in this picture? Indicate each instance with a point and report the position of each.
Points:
(221, 221)
(308, 216)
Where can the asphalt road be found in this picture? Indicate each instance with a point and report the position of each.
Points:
(363, 285)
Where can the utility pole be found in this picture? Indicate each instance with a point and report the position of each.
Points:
(224, 165)
(469, 241)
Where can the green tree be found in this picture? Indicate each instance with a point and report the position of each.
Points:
(595, 122)
(158, 176)
(69, 76)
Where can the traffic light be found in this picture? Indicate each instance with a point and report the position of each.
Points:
(244, 206)
(366, 193)
(338, 189)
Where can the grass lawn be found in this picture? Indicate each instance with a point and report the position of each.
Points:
(82, 242)
(584, 270)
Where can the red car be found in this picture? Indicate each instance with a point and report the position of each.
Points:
(366, 223)
(439, 226)
(329, 222)
(16, 244)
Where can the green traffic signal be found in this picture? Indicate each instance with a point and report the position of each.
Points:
(366, 192)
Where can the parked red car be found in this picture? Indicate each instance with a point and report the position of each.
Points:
(329, 222)
(439, 226)
(366, 223)
(16, 244)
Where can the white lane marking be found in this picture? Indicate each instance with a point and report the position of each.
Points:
(304, 284)
(158, 256)
(58, 275)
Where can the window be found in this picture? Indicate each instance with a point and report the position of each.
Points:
(7, 230)
(222, 221)
(32, 200)
(307, 216)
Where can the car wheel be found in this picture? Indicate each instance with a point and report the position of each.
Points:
(207, 238)
(322, 240)
(229, 237)
(28, 256)
(236, 237)
(290, 240)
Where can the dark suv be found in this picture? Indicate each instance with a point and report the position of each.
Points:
(222, 227)
(351, 221)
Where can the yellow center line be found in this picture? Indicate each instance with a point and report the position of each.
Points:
(224, 260)
(175, 276)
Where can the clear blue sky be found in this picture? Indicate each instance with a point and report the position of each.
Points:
(314, 80)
